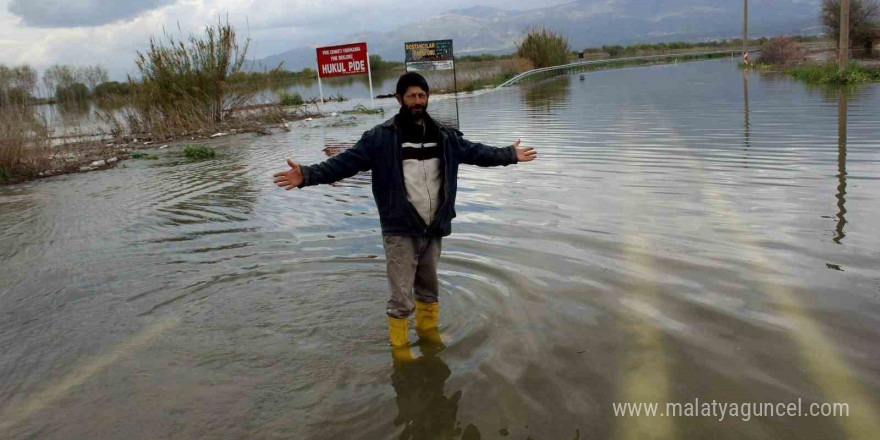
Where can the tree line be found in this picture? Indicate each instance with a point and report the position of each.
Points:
(20, 84)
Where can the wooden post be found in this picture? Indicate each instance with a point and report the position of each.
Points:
(746, 31)
(843, 56)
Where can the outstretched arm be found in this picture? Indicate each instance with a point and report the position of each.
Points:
(341, 166)
(473, 153)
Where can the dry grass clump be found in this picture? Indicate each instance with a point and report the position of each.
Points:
(25, 142)
(782, 51)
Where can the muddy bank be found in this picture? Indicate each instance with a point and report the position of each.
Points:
(97, 151)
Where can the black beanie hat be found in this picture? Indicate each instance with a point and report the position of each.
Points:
(411, 79)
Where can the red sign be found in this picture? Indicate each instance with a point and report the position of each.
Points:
(348, 59)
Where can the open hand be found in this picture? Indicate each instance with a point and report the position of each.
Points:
(291, 178)
(525, 154)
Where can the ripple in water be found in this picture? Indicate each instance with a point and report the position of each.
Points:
(688, 232)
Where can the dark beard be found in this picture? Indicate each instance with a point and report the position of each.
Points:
(408, 114)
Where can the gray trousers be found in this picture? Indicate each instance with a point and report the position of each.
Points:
(412, 272)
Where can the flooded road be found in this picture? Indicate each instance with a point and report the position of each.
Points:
(689, 232)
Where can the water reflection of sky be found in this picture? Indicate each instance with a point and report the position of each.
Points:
(675, 233)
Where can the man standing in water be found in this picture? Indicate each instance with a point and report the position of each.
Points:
(414, 162)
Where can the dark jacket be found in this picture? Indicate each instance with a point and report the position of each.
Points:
(378, 151)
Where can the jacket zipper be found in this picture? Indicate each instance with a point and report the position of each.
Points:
(443, 142)
(412, 209)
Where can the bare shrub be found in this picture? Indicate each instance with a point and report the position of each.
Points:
(782, 51)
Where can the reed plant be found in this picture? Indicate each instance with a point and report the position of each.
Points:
(544, 48)
(192, 75)
(25, 142)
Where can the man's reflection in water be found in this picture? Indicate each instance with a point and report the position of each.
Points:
(423, 408)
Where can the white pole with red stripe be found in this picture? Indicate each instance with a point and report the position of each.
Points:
(370, 75)
(746, 31)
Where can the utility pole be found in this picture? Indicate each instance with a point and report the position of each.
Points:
(843, 56)
(746, 31)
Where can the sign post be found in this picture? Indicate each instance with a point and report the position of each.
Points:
(346, 59)
(370, 76)
(432, 55)
(320, 89)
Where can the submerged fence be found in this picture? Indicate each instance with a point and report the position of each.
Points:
(586, 65)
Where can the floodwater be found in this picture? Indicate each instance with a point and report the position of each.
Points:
(688, 232)
(85, 119)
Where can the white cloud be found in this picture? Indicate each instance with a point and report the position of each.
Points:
(274, 26)
(72, 13)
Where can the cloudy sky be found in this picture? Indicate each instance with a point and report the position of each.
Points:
(109, 32)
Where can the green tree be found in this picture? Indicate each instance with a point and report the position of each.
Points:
(76, 92)
(58, 76)
(614, 51)
(864, 21)
(111, 88)
(17, 84)
(544, 48)
(24, 78)
(92, 75)
(377, 63)
(19, 96)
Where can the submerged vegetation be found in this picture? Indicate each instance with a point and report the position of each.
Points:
(362, 109)
(787, 55)
(290, 99)
(674, 47)
(144, 156)
(190, 86)
(831, 74)
(197, 85)
(25, 142)
(823, 73)
(194, 151)
(616, 64)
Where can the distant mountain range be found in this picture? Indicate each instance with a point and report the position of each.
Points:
(588, 23)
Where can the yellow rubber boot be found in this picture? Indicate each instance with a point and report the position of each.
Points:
(397, 329)
(426, 322)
